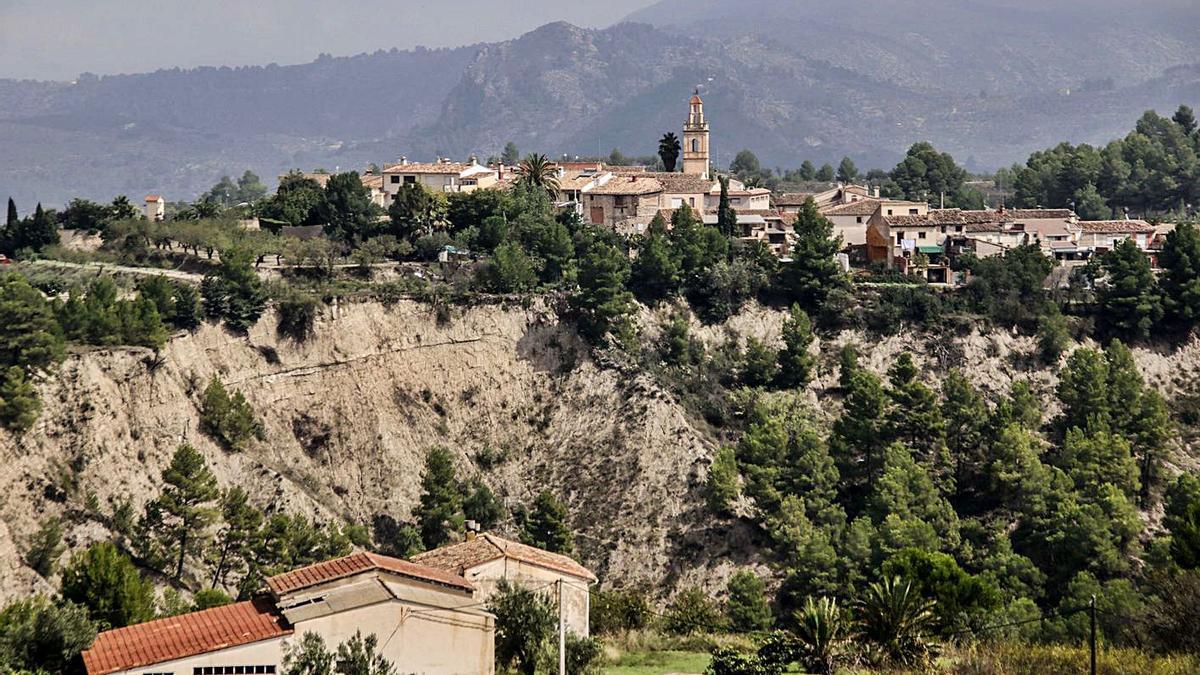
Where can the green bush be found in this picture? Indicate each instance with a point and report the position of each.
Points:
(618, 611)
(228, 419)
(584, 655)
(691, 612)
(297, 317)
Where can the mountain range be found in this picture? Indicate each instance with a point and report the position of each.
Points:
(987, 80)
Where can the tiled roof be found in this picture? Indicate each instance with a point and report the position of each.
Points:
(1035, 214)
(182, 636)
(793, 198)
(434, 168)
(372, 181)
(487, 547)
(943, 217)
(1116, 226)
(356, 563)
(862, 207)
(153, 198)
(769, 215)
(628, 185)
(577, 180)
(677, 183)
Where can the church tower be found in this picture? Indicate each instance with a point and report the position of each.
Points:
(695, 140)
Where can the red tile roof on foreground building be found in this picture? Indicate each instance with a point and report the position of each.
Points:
(862, 207)
(182, 636)
(440, 168)
(458, 558)
(620, 185)
(356, 563)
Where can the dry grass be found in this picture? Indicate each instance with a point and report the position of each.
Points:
(1019, 659)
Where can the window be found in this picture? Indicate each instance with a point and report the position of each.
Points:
(695, 145)
(858, 219)
(410, 179)
(889, 212)
(395, 180)
(233, 670)
(692, 202)
(899, 237)
(912, 212)
(920, 235)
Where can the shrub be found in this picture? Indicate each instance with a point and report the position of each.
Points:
(297, 317)
(618, 611)
(747, 608)
(692, 611)
(228, 419)
(584, 655)
(45, 547)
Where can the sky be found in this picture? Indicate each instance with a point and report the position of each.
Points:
(59, 40)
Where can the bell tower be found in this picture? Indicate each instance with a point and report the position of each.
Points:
(695, 139)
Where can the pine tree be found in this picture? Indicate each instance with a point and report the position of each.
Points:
(1180, 281)
(1130, 304)
(722, 486)
(857, 439)
(45, 547)
(905, 500)
(241, 525)
(796, 363)
(847, 172)
(965, 414)
(1083, 390)
(1152, 429)
(187, 313)
(814, 271)
(602, 305)
(915, 419)
(19, 402)
(105, 581)
(807, 171)
(1096, 458)
(481, 505)
(847, 365)
(547, 525)
(747, 608)
(805, 551)
(655, 274)
(439, 513)
(178, 520)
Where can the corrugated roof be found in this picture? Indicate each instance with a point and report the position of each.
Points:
(183, 636)
(356, 563)
(464, 555)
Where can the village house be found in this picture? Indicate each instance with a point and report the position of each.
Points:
(440, 176)
(427, 620)
(623, 203)
(1100, 236)
(790, 202)
(156, 208)
(485, 560)
(374, 183)
(850, 220)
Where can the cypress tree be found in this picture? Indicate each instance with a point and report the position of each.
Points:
(726, 216)
(12, 214)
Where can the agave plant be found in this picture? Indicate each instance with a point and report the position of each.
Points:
(821, 631)
(894, 617)
(537, 171)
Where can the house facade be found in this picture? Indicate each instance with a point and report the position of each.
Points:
(156, 208)
(440, 176)
(426, 620)
(486, 560)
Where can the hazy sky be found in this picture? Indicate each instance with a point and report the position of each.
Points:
(60, 39)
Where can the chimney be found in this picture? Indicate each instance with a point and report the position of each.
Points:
(472, 530)
(403, 160)
(876, 192)
(473, 160)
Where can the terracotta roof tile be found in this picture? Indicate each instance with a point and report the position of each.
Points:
(183, 636)
(487, 547)
(793, 198)
(432, 168)
(862, 207)
(628, 185)
(1116, 226)
(678, 183)
(339, 568)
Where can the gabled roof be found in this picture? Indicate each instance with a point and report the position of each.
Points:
(372, 181)
(182, 636)
(1117, 226)
(153, 198)
(442, 168)
(862, 207)
(1036, 214)
(678, 183)
(793, 198)
(458, 558)
(623, 185)
(356, 563)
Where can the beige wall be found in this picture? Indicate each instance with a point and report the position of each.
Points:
(576, 598)
(632, 206)
(852, 231)
(265, 653)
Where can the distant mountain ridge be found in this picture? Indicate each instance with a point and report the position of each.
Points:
(790, 81)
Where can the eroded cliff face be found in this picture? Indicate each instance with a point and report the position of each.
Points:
(350, 413)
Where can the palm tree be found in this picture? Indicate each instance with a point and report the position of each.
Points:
(821, 630)
(537, 171)
(669, 149)
(894, 617)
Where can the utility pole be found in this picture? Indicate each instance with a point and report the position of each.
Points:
(1092, 640)
(562, 634)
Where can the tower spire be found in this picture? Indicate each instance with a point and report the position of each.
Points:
(695, 139)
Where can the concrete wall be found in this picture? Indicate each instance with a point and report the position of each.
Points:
(576, 599)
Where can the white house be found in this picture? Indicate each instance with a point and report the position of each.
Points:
(427, 620)
(156, 208)
(440, 176)
(485, 560)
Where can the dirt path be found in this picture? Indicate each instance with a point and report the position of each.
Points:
(190, 277)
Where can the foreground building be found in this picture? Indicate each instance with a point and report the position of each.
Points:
(486, 560)
(427, 620)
